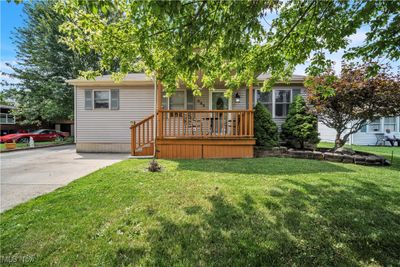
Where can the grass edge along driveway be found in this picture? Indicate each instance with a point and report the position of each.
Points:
(269, 211)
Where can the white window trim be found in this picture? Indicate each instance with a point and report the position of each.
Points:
(273, 98)
(218, 91)
(382, 126)
(109, 99)
(185, 99)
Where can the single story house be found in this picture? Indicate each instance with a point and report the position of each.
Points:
(134, 116)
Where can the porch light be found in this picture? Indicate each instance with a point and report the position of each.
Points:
(237, 98)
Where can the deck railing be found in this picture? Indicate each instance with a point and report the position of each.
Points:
(205, 123)
(142, 135)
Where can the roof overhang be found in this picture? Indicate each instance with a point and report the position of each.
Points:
(135, 79)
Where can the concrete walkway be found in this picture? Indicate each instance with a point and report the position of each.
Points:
(28, 174)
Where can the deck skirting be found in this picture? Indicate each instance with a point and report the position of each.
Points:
(202, 148)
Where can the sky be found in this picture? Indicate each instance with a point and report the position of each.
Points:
(12, 16)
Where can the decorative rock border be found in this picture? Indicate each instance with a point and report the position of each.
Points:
(360, 158)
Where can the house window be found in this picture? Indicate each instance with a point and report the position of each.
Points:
(101, 99)
(175, 102)
(389, 123)
(265, 98)
(282, 102)
(278, 101)
(375, 126)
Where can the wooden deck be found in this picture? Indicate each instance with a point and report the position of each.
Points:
(195, 134)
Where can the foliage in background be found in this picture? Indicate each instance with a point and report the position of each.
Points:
(4, 99)
(356, 98)
(43, 65)
(301, 126)
(228, 40)
(265, 129)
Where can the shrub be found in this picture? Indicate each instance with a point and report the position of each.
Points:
(154, 166)
(301, 127)
(265, 129)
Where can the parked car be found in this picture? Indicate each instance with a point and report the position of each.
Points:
(38, 136)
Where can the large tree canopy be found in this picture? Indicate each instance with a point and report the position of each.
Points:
(228, 40)
(43, 65)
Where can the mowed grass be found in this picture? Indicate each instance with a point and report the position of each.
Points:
(252, 212)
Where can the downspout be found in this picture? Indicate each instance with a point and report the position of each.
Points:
(155, 115)
(75, 114)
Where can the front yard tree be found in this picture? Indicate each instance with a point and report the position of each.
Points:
(354, 99)
(301, 126)
(228, 40)
(43, 65)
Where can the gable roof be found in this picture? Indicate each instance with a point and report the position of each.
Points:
(141, 78)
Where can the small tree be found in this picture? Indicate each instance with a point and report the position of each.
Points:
(348, 102)
(265, 129)
(301, 126)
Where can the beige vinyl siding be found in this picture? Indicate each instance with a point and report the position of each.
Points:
(242, 104)
(201, 102)
(112, 126)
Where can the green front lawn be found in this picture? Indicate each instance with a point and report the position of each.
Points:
(271, 211)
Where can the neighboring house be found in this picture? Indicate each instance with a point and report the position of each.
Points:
(185, 126)
(7, 120)
(370, 134)
(65, 126)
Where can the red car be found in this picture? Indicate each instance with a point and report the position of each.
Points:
(38, 136)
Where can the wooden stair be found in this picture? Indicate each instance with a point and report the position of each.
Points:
(142, 137)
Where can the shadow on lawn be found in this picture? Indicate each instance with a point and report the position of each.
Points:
(296, 224)
(272, 166)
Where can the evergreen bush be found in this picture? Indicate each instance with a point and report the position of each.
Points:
(301, 127)
(265, 129)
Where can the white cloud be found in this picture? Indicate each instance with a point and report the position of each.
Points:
(4, 70)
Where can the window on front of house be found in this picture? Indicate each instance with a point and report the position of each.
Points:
(265, 98)
(278, 101)
(174, 102)
(375, 126)
(177, 101)
(282, 102)
(101, 99)
(389, 123)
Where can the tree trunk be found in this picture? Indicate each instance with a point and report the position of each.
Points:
(339, 142)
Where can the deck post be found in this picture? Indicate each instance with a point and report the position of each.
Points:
(159, 108)
(251, 119)
(251, 97)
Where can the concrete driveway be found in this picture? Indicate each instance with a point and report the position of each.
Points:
(30, 173)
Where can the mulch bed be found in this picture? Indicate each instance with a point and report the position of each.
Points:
(357, 157)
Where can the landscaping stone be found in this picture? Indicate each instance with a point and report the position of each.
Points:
(280, 149)
(345, 151)
(359, 159)
(304, 154)
(374, 160)
(318, 155)
(348, 159)
(333, 157)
